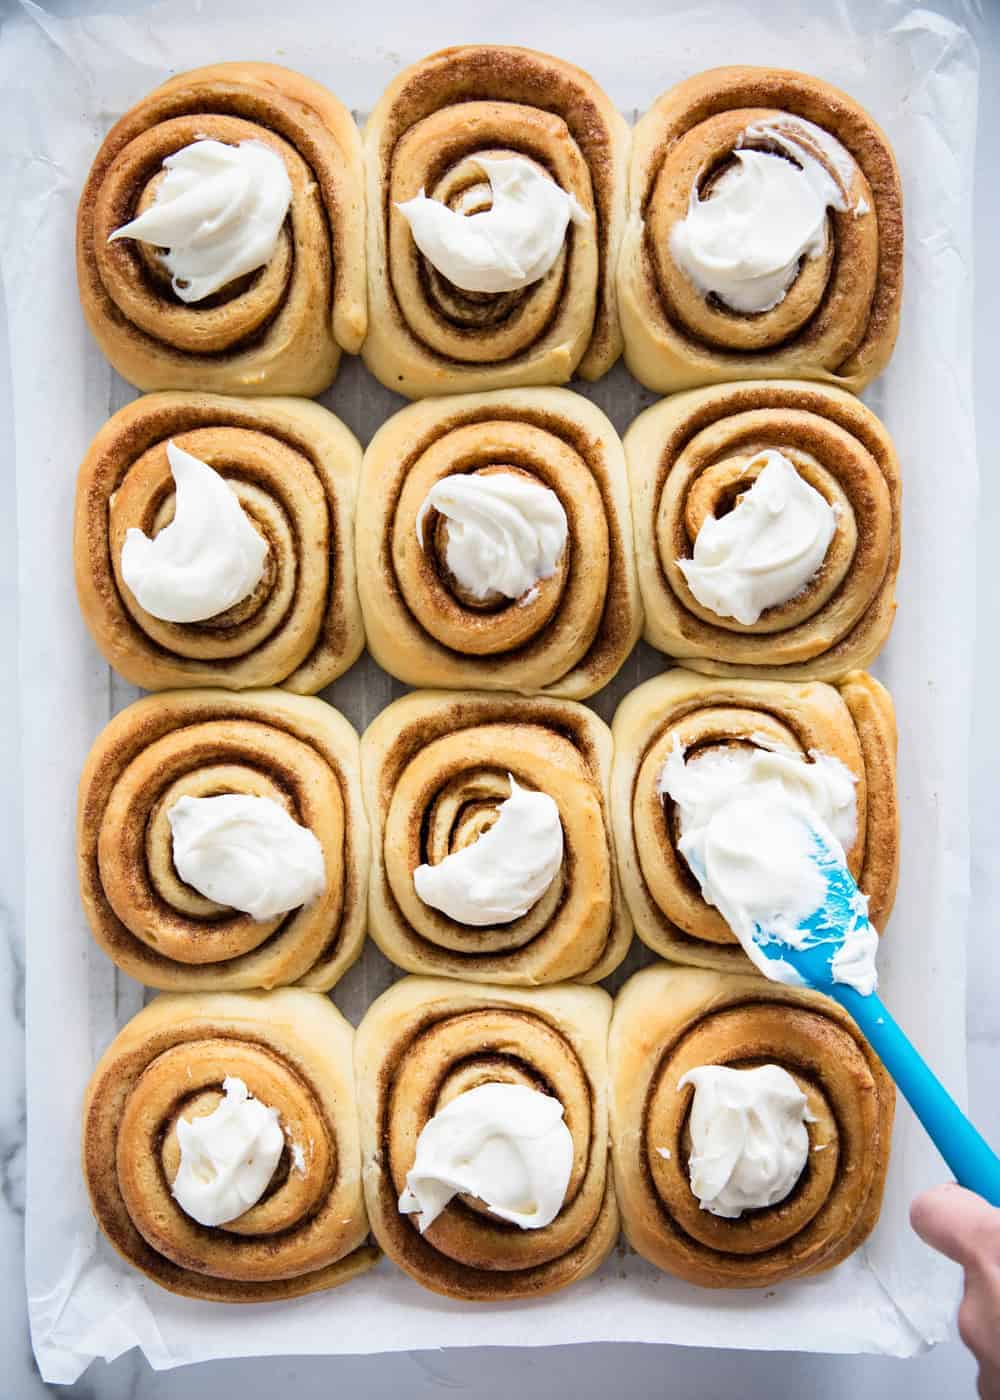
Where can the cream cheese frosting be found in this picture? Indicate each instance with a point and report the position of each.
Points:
(505, 1144)
(503, 248)
(498, 877)
(749, 1141)
(767, 211)
(207, 559)
(218, 212)
(227, 1157)
(505, 532)
(766, 549)
(246, 852)
(758, 828)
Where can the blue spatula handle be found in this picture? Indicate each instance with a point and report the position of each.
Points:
(973, 1162)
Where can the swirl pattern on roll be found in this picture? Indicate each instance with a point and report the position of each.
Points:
(435, 770)
(293, 1050)
(691, 457)
(294, 469)
(838, 319)
(279, 330)
(853, 722)
(427, 336)
(668, 1021)
(294, 750)
(570, 634)
(427, 1040)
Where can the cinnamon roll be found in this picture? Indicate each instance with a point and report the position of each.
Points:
(496, 199)
(220, 235)
(732, 1217)
(222, 841)
(432, 1052)
(767, 524)
(765, 235)
(492, 853)
(238, 571)
(495, 545)
(188, 1080)
(845, 733)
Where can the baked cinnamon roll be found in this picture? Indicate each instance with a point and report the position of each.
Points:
(836, 746)
(492, 854)
(496, 198)
(440, 1065)
(190, 1081)
(765, 235)
(494, 544)
(707, 1067)
(220, 235)
(222, 841)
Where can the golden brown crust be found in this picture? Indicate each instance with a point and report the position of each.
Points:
(296, 750)
(283, 331)
(426, 1040)
(293, 1050)
(574, 634)
(839, 320)
(852, 722)
(691, 452)
(435, 766)
(428, 337)
(669, 1020)
(294, 467)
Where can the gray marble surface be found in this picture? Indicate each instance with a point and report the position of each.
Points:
(582, 1371)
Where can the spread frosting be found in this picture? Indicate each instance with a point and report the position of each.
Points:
(505, 247)
(505, 533)
(246, 852)
(745, 240)
(506, 870)
(218, 212)
(227, 1157)
(749, 1141)
(207, 559)
(765, 834)
(766, 549)
(505, 1144)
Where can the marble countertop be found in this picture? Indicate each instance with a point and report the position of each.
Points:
(584, 1371)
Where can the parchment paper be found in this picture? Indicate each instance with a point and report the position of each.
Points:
(62, 83)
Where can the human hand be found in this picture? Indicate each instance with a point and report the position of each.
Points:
(962, 1226)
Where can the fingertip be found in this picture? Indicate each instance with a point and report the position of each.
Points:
(956, 1222)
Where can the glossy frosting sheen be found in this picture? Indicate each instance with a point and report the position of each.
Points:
(766, 212)
(227, 1157)
(505, 1144)
(749, 1141)
(498, 877)
(505, 532)
(246, 852)
(503, 248)
(766, 549)
(752, 821)
(207, 559)
(217, 212)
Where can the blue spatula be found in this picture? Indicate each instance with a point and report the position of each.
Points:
(972, 1161)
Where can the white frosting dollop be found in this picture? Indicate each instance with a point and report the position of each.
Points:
(207, 559)
(766, 549)
(506, 870)
(505, 1144)
(505, 247)
(763, 215)
(218, 211)
(505, 533)
(246, 852)
(752, 822)
(227, 1157)
(749, 1141)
